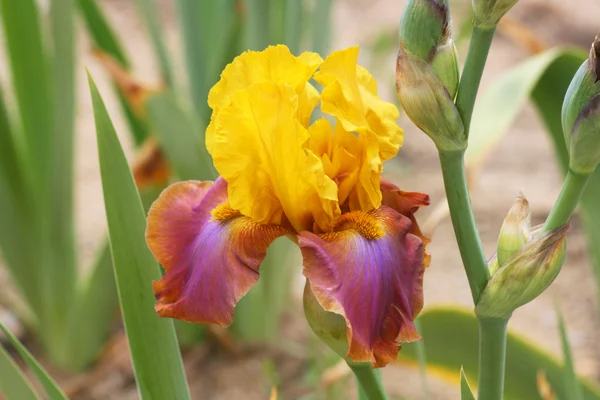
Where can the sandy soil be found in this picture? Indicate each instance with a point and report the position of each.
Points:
(524, 161)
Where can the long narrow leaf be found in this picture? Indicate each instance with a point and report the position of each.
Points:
(181, 139)
(106, 40)
(321, 26)
(571, 385)
(29, 71)
(452, 341)
(58, 202)
(95, 312)
(154, 350)
(13, 382)
(51, 388)
(465, 390)
(292, 24)
(148, 11)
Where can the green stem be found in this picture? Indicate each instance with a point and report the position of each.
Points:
(369, 382)
(481, 40)
(567, 200)
(492, 358)
(463, 220)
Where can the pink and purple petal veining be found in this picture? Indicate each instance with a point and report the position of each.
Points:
(210, 252)
(370, 272)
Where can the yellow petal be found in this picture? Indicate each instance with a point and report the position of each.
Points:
(274, 64)
(261, 149)
(351, 161)
(350, 94)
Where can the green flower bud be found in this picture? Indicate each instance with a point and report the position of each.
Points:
(329, 327)
(525, 275)
(427, 75)
(487, 13)
(445, 64)
(515, 231)
(581, 114)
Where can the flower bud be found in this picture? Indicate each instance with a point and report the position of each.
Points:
(515, 231)
(487, 13)
(525, 275)
(427, 74)
(581, 115)
(329, 327)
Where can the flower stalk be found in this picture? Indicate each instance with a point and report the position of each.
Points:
(568, 198)
(369, 382)
(481, 41)
(492, 358)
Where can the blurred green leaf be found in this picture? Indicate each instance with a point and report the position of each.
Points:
(293, 15)
(13, 382)
(95, 311)
(498, 107)
(452, 338)
(206, 32)
(106, 41)
(465, 390)
(321, 27)
(154, 350)
(29, 70)
(51, 388)
(571, 385)
(60, 269)
(180, 137)
(148, 10)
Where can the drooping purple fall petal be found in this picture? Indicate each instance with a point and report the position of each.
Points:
(370, 271)
(211, 253)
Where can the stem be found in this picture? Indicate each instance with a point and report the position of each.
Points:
(463, 220)
(369, 382)
(492, 358)
(567, 200)
(481, 40)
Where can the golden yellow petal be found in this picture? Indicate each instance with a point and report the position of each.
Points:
(261, 149)
(350, 94)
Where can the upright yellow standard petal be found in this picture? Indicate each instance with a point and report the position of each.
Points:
(261, 150)
(350, 94)
(274, 64)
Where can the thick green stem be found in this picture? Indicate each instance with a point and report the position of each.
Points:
(481, 40)
(369, 382)
(492, 358)
(567, 200)
(463, 220)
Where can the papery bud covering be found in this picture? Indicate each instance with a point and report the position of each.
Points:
(524, 276)
(515, 231)
(427, 74)
(487, 13)
(581, 114)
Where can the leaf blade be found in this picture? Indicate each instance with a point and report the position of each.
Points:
(153, 345)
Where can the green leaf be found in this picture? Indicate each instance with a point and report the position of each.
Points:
(106, 40)
(60, 265)
(180, 137)
(154, 350)
(452, 341)
(321, 27)
(29, 71)
(51, 388)
(95, 311)
(292, 24)
(465, 390)
(207, 28)
(148, 10)
(499, 106)
(13, 382)
(571, 385)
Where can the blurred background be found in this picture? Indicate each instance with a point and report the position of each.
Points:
(221, 367)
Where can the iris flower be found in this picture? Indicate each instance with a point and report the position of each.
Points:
(319, 184)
